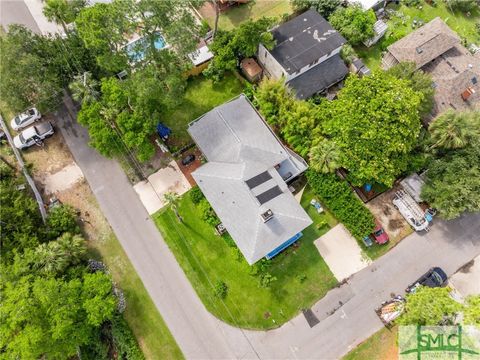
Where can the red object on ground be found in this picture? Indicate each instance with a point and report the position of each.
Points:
(381, 237)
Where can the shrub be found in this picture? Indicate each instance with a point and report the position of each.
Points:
(354, 23)
(301, 278)
(124, 341)
(207, 213)
(266, 280)
(221, 289)
(462, 5)
(196, 195)
(62, 219)
(338, 197)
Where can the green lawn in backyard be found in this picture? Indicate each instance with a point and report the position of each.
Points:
(142, 316)
(380, 346)
(463, 25)
(207, 258)
(201, 96)
(255, 9)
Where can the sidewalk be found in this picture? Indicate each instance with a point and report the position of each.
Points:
(36, 10)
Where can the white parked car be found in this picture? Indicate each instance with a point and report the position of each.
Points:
(24, 119)
(33, 135)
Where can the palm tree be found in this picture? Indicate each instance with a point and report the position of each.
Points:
(84, 88)
(54, 257)
(455, 130)
(62, 12)
(325, 156)
(171, 199)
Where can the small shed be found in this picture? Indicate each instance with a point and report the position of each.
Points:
(251, 70)
(379, 29)
(359, 68)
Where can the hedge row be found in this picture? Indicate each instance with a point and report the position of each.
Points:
(340, 200)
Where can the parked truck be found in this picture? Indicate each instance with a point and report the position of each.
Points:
(412, 212)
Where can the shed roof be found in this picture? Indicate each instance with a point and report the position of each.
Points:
(304, 39)
(241, 181)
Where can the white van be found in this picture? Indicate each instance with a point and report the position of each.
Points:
(410, 210)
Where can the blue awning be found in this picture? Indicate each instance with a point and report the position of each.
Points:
(284, 246)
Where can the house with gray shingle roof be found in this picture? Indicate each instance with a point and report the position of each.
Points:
(245, 179)
(306, 55)
(437, 50)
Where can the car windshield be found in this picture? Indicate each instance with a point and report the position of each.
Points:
(17, 119)
(437, 278)
(22, 139)
(378, 232)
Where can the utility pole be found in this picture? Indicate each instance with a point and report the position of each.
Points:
(30, 181)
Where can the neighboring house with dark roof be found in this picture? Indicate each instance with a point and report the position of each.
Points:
(306, 54)
(437, 50)
(245, 179)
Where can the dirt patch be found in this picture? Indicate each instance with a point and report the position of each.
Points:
(50, 158)
(390, 218)
(80, 197)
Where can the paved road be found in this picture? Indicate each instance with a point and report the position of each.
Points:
(17, 12)
(200, 335)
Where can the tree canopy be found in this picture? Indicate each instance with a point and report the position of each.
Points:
(453, 177)
(229, 47)
(323, 7)
(354, 23)
(63, 12)
(375, 124)
(419, 81)
(429, 306)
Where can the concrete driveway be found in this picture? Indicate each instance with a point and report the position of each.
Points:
(467, 280)
(168, 179)
(341, 252)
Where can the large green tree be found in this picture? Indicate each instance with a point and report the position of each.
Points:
(51, 317)
(455, 130)
(324, 7)
(429, 306)
(353, 22)
(229, 47)
(453, 182)
(63, 12)
(375, 124)
(419, 81)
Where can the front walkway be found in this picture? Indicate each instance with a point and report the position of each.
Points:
(341, 252)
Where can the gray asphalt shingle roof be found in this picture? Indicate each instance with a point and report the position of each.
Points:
(240, 179)
(303, 40)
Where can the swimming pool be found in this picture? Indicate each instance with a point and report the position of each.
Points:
(136, 49)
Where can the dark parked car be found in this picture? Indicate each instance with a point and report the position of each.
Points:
(188, 159)
(435, 277)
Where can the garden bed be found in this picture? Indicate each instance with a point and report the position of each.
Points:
(213, 263)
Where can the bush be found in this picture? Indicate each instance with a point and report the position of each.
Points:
(354, 23)
(462, 5)
(62, 219)
(221, 289)
(338, 197)
(411, 3)
(207, 213)
(266, 280)
(196, 195)
(124, 341)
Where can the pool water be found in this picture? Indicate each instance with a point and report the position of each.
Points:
(136, 49)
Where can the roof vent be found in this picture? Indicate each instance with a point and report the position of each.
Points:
(419, 50)
(267, 215)
(467, 93)
(470, 66)
(474, 80)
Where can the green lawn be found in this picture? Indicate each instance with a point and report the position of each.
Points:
(380, 346)
(400, 26)
(201, 96)
(302, 275)
(235, 15)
